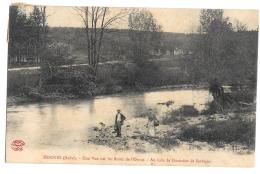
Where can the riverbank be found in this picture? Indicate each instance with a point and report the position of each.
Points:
(87, 126)
(12, 100)
(172, 136)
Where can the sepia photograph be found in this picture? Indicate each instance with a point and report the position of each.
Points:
(131, 86)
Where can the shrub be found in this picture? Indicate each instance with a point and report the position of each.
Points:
(185, 110)
(188, 110)
(177, 115)
(236, 130)
(76, 81)
(19, 82)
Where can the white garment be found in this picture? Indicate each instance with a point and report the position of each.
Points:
(151, 128)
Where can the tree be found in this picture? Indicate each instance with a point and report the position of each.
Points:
(96, 21)
(145, 37)
(221, 51)
(144, 34)
(240, 27)
(39, 34)
(27, 34)
(214, 48)
(208, 16)
(39, 27)
(18, 33)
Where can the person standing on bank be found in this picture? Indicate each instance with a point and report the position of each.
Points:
(119, 121)
(151, 124)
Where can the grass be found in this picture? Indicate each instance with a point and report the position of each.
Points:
(167, 142)
(236, 130)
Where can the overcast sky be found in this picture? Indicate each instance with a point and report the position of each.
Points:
(171, 20)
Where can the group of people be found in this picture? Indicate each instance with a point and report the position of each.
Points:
(151, 124)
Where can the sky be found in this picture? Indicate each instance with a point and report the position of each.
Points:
(171, 20)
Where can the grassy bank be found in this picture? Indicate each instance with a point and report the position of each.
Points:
(219, 132)
(78, 82)
(232, 129)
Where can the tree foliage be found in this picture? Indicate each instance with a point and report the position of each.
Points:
(29, 42)
(145, 39)
(27, 33)
(144, 35)
(18, 32)
(222, 52)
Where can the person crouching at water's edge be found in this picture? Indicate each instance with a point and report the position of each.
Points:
(119, 121)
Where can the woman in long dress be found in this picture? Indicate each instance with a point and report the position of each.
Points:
(150, 125)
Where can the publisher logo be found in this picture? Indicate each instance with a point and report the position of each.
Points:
(17, 145)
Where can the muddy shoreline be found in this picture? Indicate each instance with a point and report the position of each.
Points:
(168, 136)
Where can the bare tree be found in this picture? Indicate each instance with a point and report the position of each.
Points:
(240, 27)
(96, 21)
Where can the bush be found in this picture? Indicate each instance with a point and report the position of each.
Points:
(236, 130)
(188, 110)
(19, 82)
(75, 81)
(177, 115)
(185, 110)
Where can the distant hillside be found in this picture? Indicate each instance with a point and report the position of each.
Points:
(116, 42)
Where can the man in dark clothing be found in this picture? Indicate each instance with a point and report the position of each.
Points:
(119, 121)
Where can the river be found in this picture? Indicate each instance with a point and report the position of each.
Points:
(61, 123)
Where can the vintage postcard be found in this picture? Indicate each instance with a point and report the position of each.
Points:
(131, 86)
